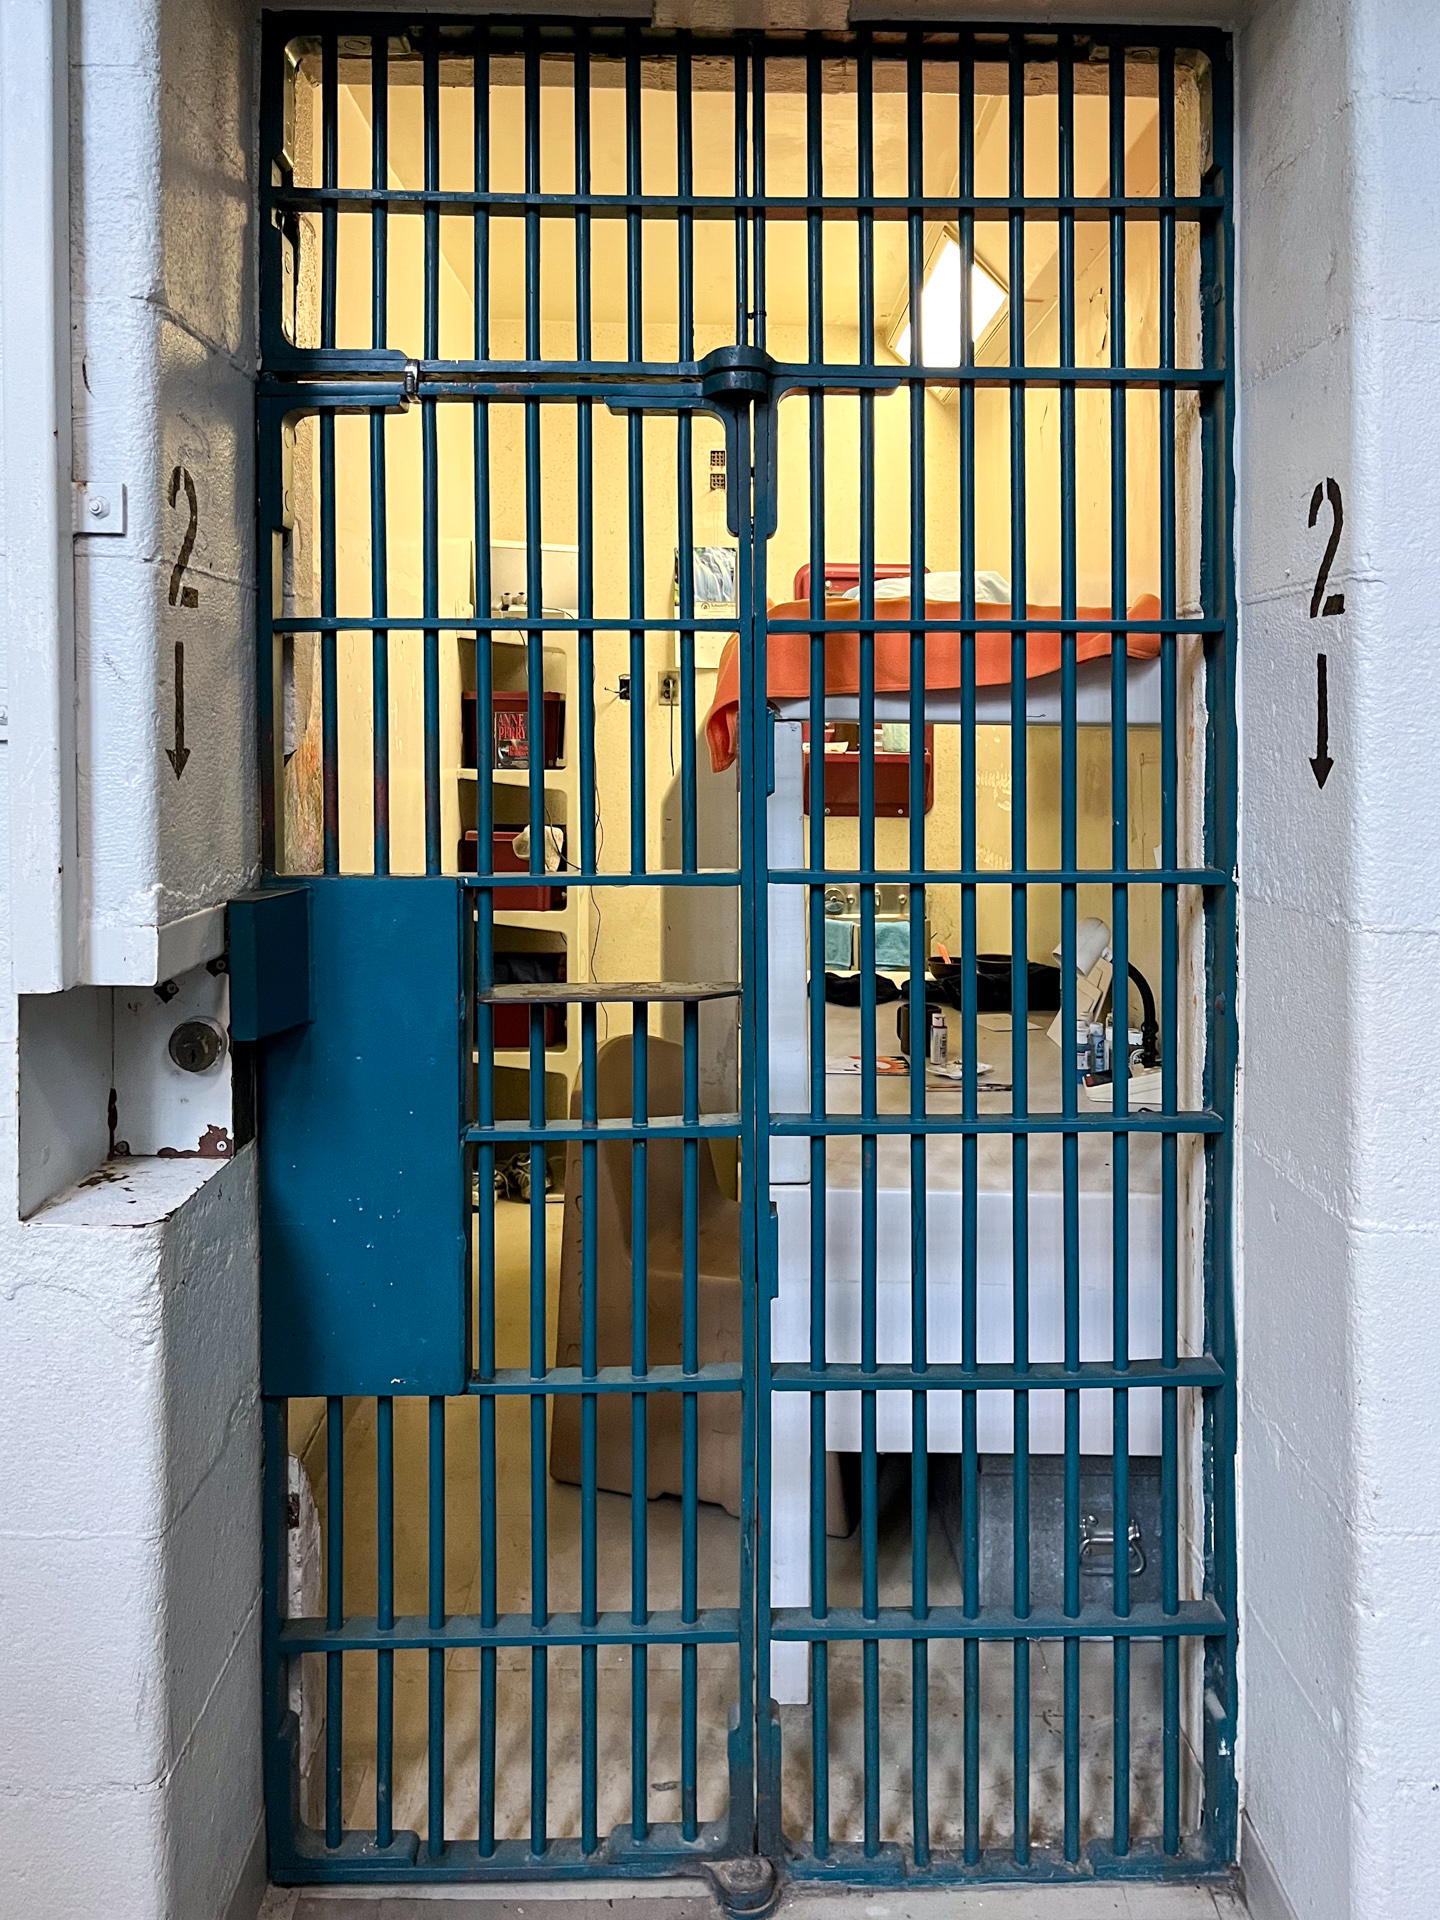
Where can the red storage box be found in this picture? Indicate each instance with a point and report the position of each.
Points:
(892, 782)
(511, 1022)
(509, 730)
(842, 576)
(503, 859)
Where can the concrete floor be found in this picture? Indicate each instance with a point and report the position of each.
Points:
(678, 1900)
(718, 1567)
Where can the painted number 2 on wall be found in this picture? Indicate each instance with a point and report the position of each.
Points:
(182, 595)
(1321, 604)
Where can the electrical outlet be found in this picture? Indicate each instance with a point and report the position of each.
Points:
(669, 695)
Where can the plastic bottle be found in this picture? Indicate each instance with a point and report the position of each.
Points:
(937, 1051)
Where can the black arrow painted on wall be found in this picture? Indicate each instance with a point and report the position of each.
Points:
(179, 753)
(1322, 763)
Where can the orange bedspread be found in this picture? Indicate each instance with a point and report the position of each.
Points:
(788, 664)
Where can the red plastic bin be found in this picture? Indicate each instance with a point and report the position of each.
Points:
(503, 859)
(512, 1021)
(892, 782)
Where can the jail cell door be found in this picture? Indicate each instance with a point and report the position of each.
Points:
(744, 687)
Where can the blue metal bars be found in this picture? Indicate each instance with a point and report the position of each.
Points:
(752, 510)
(992, 1260)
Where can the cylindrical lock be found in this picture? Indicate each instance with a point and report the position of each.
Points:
(198, 1045)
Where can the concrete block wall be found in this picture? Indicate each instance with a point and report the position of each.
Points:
(1340, 1205)
(163, 309)
(129, 1775)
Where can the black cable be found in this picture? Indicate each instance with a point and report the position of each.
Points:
(1149, 1025)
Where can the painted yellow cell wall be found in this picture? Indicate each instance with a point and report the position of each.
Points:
(629, 945)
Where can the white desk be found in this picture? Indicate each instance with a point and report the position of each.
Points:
(944, 1200)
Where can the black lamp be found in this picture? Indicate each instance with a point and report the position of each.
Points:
(1092, 944)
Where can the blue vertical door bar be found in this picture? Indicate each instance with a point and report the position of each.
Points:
(430, 485)
(754, 1650)
(690, 1201)
(535, 761)
(539, 1477)
(334, 1612)
(919, 1033)
(435, 1659)
(589, 1367)
(869, 1142)
(484, 940)
(635, 430)
(1070, 1142)
(815, 861)
(430, 452)
(384, 1618)
(379, 549)
(1019, 966)
(329, 676)
(639, 1449)
(759, 520)
(1217, 544)
(969, 1017)
(329, 276)
(1169, 976)
(589, 1103)
(1120, 942)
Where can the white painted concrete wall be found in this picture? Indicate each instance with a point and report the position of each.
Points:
(163, 304)
(129, 1523)
(129, 1772)
(1340, 361)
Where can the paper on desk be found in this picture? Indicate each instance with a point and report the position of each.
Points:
(1143, 1091)
(953, 1069)
(891, 1065)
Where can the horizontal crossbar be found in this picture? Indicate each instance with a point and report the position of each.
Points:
(945, 1376)
(460, 201)
(712, 1626)
(997, 876)
(517, 626)
(1149, 1622)
(907, 1126)
(715, 1378)
(714, 1126)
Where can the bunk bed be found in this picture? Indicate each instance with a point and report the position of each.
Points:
(788, 678)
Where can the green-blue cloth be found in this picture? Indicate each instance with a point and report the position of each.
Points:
(892, 943)
(840, 944)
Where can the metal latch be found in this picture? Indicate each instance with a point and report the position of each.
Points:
(1097, 1538)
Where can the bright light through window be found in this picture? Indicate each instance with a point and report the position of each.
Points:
(940, 309)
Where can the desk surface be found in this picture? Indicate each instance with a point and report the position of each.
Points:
(996, 1152)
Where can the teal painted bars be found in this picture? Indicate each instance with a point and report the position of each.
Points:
(616, 259)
